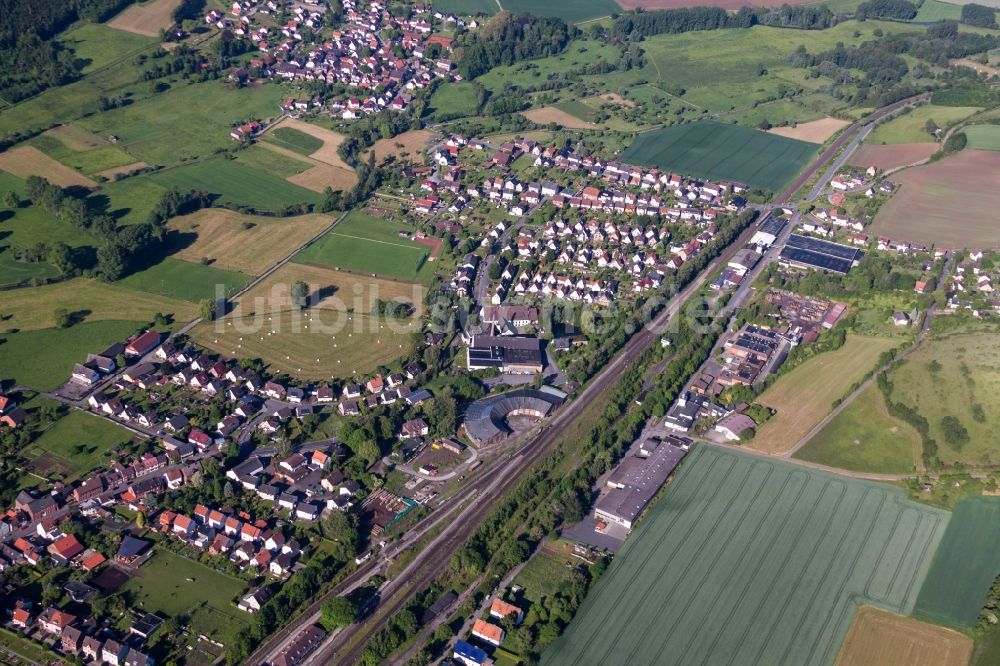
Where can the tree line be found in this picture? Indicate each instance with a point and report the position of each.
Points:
(635, 26)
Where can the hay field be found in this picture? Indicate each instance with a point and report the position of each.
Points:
(25, 161)
(892, 155)
(550, 114)
(949, 203)
(408, 145)
(814, 131)
(806, 394)
(331, 142)
(879, 637)
(90, 300)
(77, 138)
(146, 19)
(328, 168)
(752, 561)
(223, 237)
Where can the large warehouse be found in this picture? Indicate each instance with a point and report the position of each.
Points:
(486, 419)
(807, 252)
(519, 355)
(637, 479)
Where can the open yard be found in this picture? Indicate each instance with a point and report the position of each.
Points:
(814, 131)
(865, 438)
(965, 565)
(983, 137)
(551, 114)
(43, 359)
(25, 161)
(173, 585)
(248, 244)
(74, 445)
(751, 561)
(146, 18)
(722, 152)
(237, 184)
(369, 245)
(892, 155)
(949, 203)
(86, 300)
(406, 146)
(879, 637)
(805, 395)
(185, 280)
(910, 127)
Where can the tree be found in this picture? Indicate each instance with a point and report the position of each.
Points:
(208, 309)
(11, 200)
(300, 294)
(112, 260)
(338, 612)
(140, 520)
(62, 318)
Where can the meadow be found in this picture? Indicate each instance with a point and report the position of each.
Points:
(370, 245)
(95, 45)
(275, 163)
(466, 7)
(910, 127)
(237, 184)
(880, 637)
(293, 139)
(452, 100)
(74, 445)
(545, 571)
(146, 18)
(89, 161)
(129, 200)
(934, 10)
(722, 152)
(752, 561)
(805, 395)
(13, 271)
(983, 137)
(24, 161)
(865, 438)
(185, 280)
(964, 567)
(43, 359)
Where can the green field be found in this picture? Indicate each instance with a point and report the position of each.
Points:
(571, 11)
(465, 7)
(935, 10)
(75, 444)
(16, 272)
(865, 438)
(173, 585)
(237, 184)
(746, 560)
(965, 565)
(453, 100)
(95, 45)
(577, 109)
(272, 162)
(85, 161)
(369, 245)
(983, 137)
(185, 280)
(132, 199)
(722, 152)
(909, 127)
(293, 139)
(43, 359)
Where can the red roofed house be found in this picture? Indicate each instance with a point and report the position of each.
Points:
(54, 621)
(183, 525)
(91, 562)
(490, 633)
(21, 618)
(66, 548)
(501, 609)
(143, 344)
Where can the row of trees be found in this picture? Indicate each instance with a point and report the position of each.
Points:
(637, 25)
(901, 10)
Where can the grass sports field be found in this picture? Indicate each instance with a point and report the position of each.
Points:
(369, 245)
(865, 438)
(74, 445)
(878, 637)
(909, 127)
(248, 244)
(805, 395)
(168, 582)
(722, 152)
(185, 280)
(950, 203)
(746, 560)
(88, 300)
(983, 137)
(965, 565)
(43, 359)
(237, 184)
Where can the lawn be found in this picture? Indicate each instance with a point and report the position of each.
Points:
(95, 45)
(983, 137)
(249, 244)
(186, 280)
(16, 272)
(87, 300)
(571, 11)
(805, 395)
(237, 184)
(43, 359)
(865, 438)
(293, 139)
(74, 445)
(965, 565)
(173, 585)
(752, 561)
(370, 245)
(722, 152)
(453, 100)
(910, 127)
(935, 10)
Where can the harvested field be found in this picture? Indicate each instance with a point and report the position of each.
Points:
(751, 561)
(965, 565)
(322, 176)
(805, 395)
(731, 5)
(331, 142)
(77, 138)
(892, 155)
(879, 637)
(27, 161)
(146, 19)
(328, 169)
(949, 203)
(121, 170)
(814, 131)
(550, 114)
(408, 145)
(223, 237)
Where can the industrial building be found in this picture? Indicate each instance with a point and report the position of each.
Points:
(637, 479)
(517, 355)
(807, 252)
